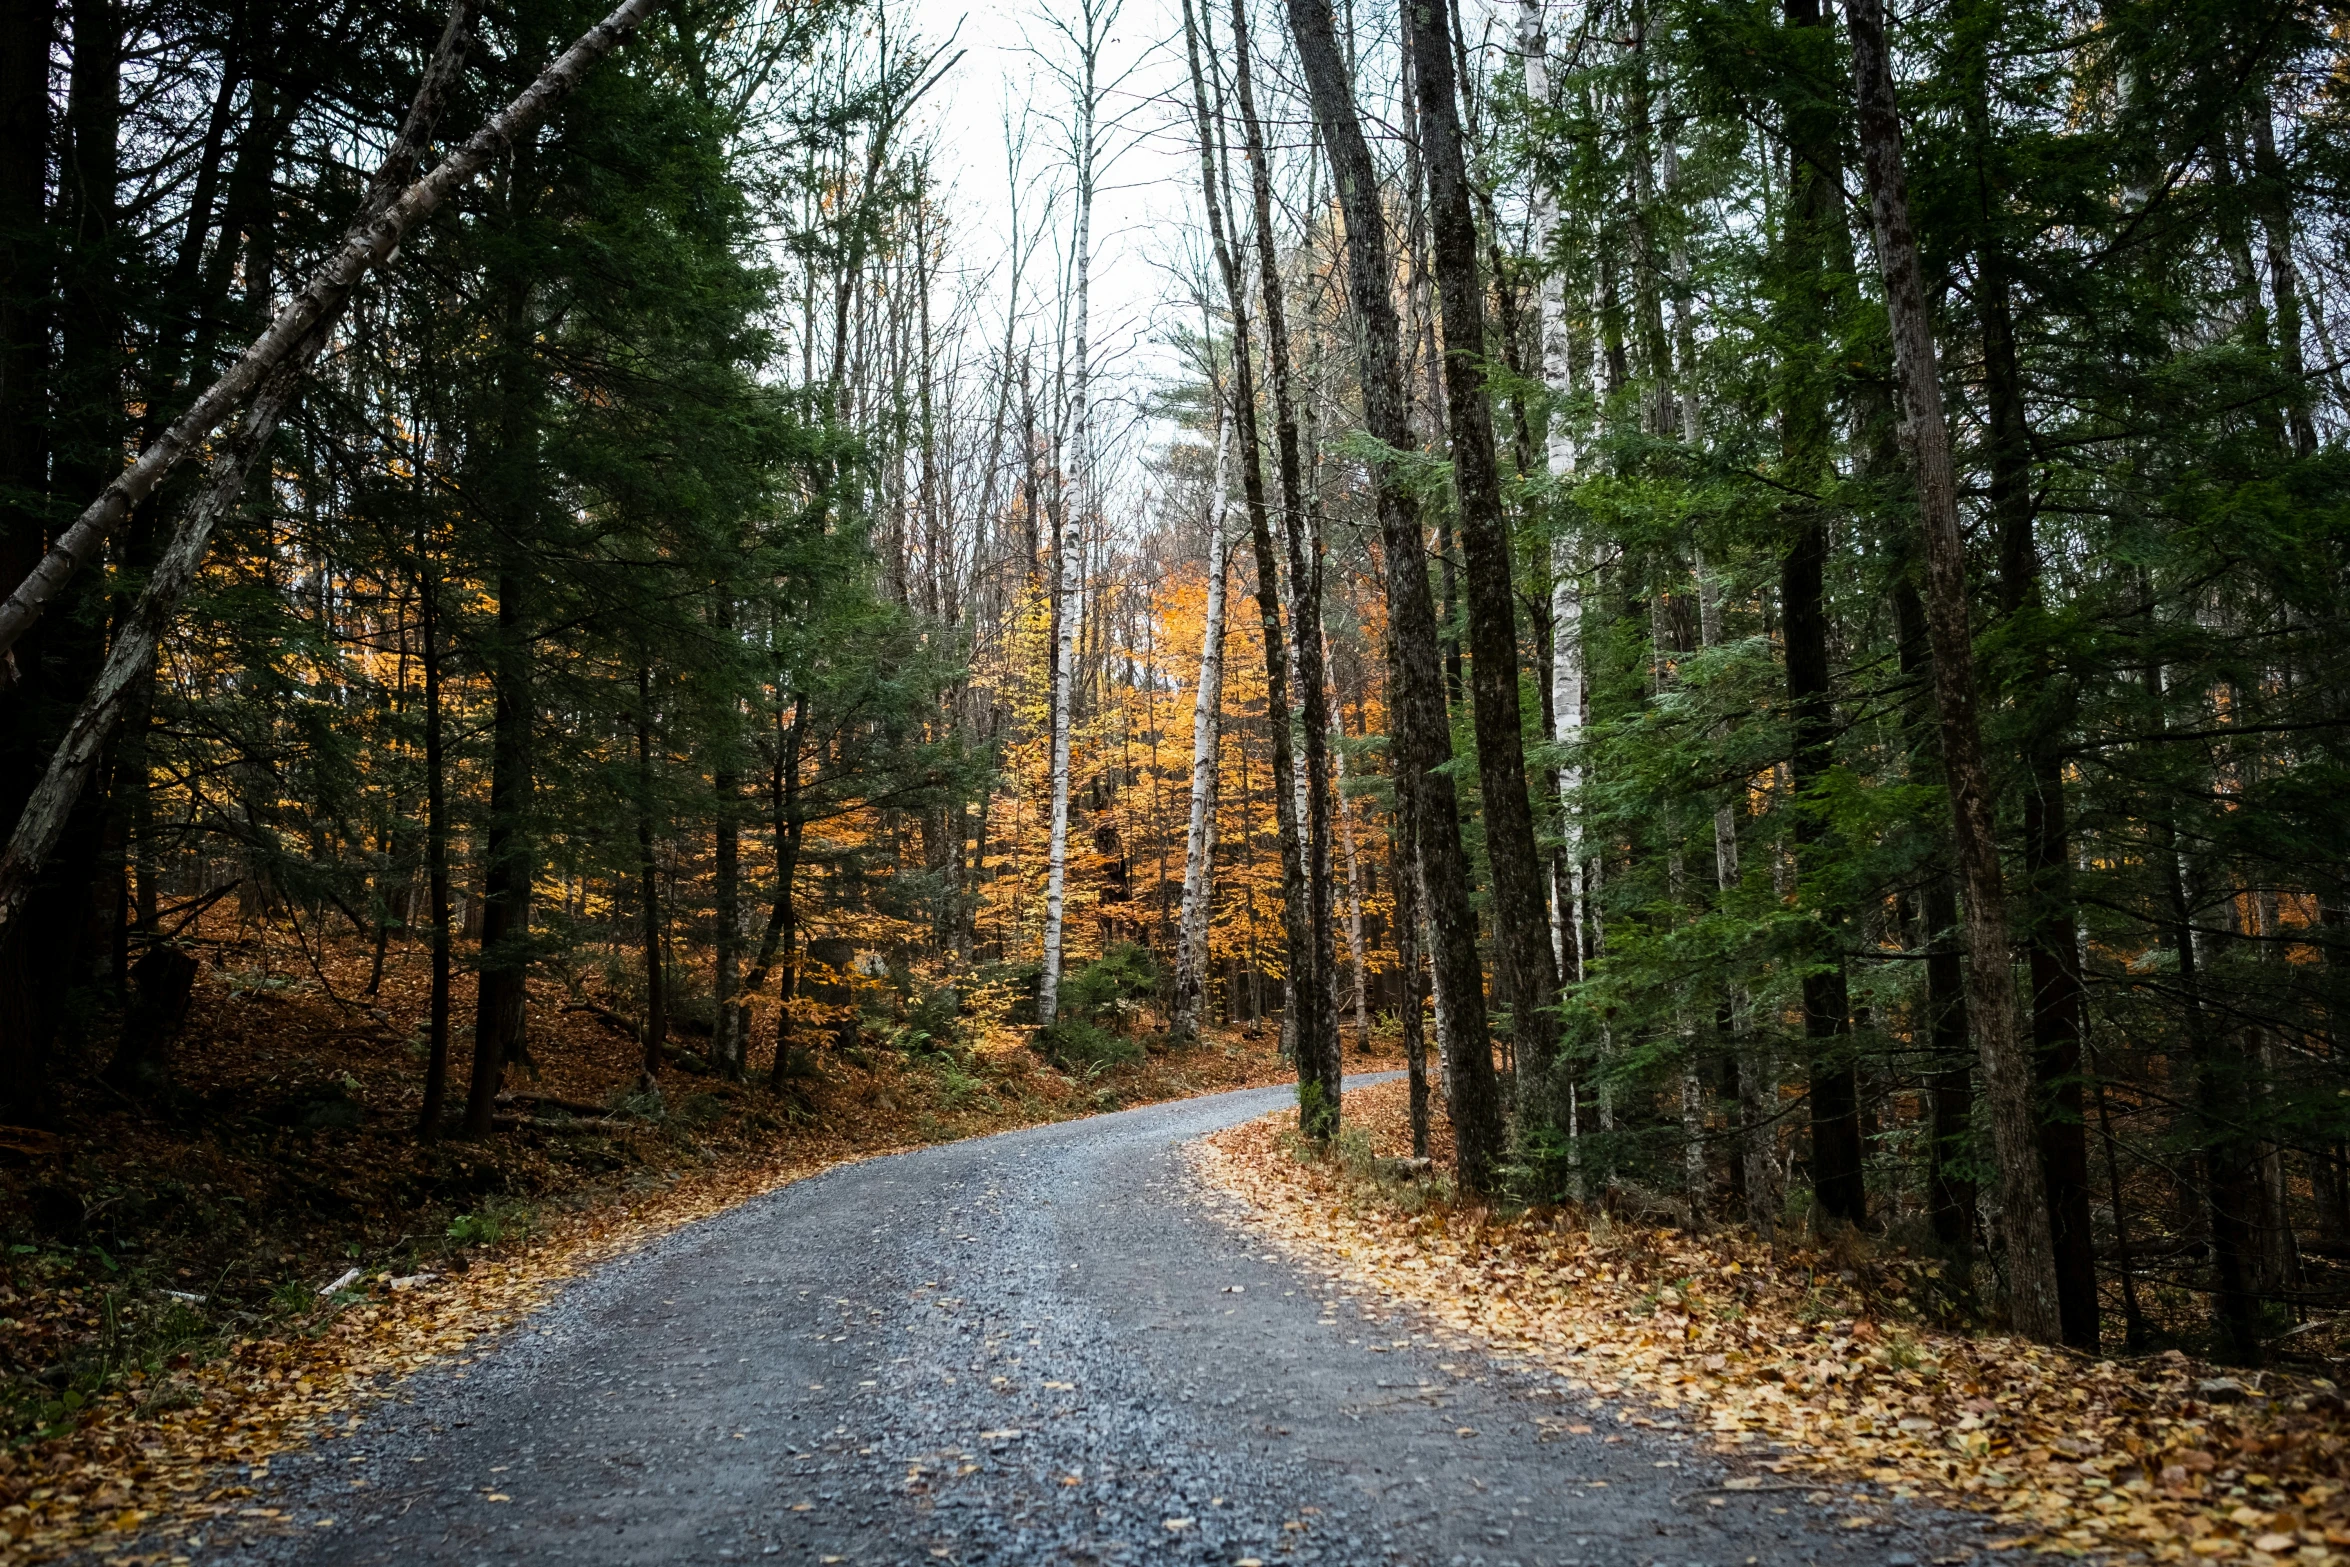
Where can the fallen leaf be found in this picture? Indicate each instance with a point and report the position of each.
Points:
(1796, 1360)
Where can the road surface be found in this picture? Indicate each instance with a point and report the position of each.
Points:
(1042, 1347)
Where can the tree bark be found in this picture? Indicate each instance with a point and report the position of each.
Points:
(2230, 1183)
(2275, 196)
(1836, 1153)
(1991, 997)
(502, 1001)
(27, 29)
(61, 794)
(783, 925)
(2047, 893)
(1069, 583)
(728, 1046)
(1950, 1079)
(1803, 308)
(78, 426)
(1421, 740)
(1413, 991)
(1354, 899)
(1207, 728)
(1755, 1166)
(1554, 350)
(648, 869)
(1317, 1110)
(1316, 981)
(1526, 969)
(436, 851)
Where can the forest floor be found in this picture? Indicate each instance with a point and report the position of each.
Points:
(220, 1273)
(1817, 1367)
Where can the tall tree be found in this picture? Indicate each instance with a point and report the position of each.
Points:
(1088, 37)
(1207, 733)
(1317, 1109)
(1421, 735)
(1991, 999)
(1315, 983)
(1526, 970)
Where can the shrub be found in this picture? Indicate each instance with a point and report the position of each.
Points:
(496, 1221)
(1112, 985)
(1097, 1005)
(956, 1087)
(1075, 1045)
(931, 1023)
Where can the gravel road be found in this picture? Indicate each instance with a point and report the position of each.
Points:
(1043, 1347)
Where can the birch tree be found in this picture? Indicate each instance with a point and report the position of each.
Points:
(1207, 732)
(1086, 37)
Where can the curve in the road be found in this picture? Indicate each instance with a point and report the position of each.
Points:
(1041, 1347)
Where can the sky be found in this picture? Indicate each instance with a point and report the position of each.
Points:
(1146, 217)
(1150, 243)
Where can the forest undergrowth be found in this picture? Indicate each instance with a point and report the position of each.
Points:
(1823, 1368)
(201, 1280)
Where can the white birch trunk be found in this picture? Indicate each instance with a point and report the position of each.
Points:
(1692, 411)
(1566, 587)
(1069, 592)
(1207, 729)
(1566, 730)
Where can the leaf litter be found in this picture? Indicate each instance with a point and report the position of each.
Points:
(226, 1274)
(1815, 1369)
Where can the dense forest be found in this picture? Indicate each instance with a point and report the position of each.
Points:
(1760, 585)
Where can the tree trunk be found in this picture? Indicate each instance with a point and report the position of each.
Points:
(648, 869)
(27, 29)
(1836, 1153)
(507, 489)
(1207, 728)
(45, 908)
(1317, 1034)
(1990, 981)
(63, 807)
(2039, 696)
(1555, 353)
(728, 1044)
(1354, 900)
(1069, 582)
(1318, 1108)
(501, 1006)
(2048, 912)
(783, 925)
(1421, 740)
(436, 851)
(2230, 1183)
(1950, 1079)
(1802, 308)
(48, 814)
(2133, 1321)
(1414, 994)
(2284, 275)
(1526, 969)
(1754, 1167)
